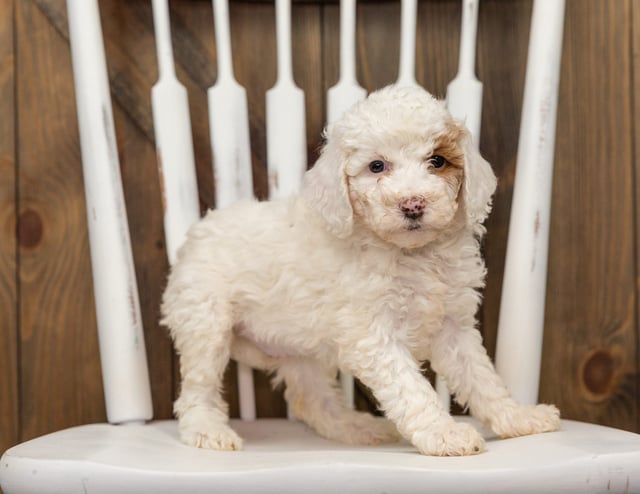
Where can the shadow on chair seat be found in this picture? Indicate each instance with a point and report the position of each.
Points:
(284, 456)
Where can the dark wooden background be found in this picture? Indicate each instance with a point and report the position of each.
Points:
(49, 367)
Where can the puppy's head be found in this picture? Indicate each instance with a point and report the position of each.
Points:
(400, 165)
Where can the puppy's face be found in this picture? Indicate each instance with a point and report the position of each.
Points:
(405, 184)
(401, 166)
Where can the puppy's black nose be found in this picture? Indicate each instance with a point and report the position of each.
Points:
(414, 215)
(413, 208)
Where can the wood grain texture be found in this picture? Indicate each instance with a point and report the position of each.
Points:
(60, 371)
(133, 70)
(9, 375)
(635, 56)
(592, 335)
(503, 37)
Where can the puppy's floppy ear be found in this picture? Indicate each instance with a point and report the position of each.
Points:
(479, 182)
(325, 189)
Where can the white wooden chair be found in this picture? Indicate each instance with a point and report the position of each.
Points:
(133, 454)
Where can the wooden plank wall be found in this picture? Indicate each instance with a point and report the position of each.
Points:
(49, 370)
(9, 372)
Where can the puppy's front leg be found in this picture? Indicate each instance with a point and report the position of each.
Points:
(202, 333)
(390, 371)
(459, 356)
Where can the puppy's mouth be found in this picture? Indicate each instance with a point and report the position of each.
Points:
(413, 220)
(413, 225)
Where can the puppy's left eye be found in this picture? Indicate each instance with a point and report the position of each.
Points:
(437, 161)
(377, 166)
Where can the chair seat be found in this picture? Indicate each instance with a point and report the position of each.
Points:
(285, 456)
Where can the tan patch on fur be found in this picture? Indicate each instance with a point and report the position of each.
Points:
(448, 147)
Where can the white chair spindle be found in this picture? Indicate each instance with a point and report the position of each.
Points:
(122, 349)
(285, 107)
(231, 148)
(174, 142)
(347, 91)
(407, 66)
(228, 120)
(521, 322)
(464, 93)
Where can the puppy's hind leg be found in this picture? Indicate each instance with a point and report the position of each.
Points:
(315, 398)
(202, 332)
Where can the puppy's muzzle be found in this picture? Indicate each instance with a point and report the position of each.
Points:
(413, 208)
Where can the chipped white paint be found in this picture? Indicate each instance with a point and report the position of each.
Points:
(521, 322)
(122, 350)
(231, 148)
(174, 143)
(286, 127)
(407, 67)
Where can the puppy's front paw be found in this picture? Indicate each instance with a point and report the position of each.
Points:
(203, 428)
(449, 439)
(522, 420)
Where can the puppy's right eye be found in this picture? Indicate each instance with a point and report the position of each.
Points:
(377, 166)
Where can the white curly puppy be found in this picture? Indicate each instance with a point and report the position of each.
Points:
(372, 269)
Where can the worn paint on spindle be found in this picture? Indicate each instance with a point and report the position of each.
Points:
(536, 224)
(107, 126)
(163, 189)
(238, 174)
(273, 178)
(123, 232)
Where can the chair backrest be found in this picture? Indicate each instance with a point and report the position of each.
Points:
(125, 374)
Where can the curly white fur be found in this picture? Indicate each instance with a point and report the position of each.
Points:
(370, 270)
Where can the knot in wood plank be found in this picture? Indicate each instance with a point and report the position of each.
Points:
(30, 229)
